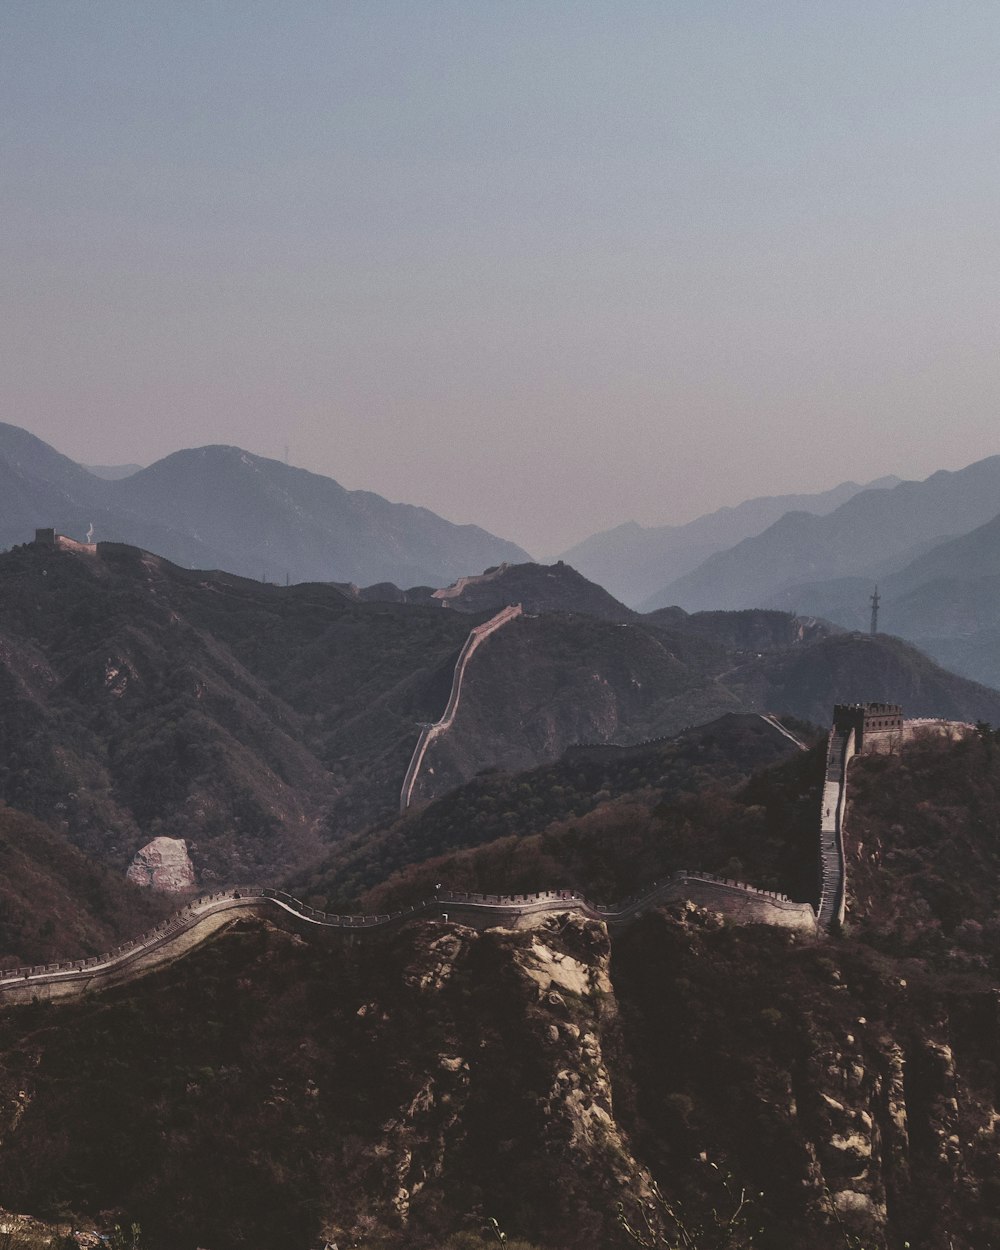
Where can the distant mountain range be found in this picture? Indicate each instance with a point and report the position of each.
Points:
(933, 546)
(634, 562)
(874, 534)
(221, 507)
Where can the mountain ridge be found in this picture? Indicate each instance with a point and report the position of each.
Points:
(802, 547)
(223, 507)
(632, 560)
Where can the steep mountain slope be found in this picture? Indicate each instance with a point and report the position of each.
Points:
(41, 489)
(966, 559)
(220, 507)
(140, 698)
(545, 683)
(947, 600)
(854, 668)
(633, 561)
(269, 517)
(40, 463)
(54, 900)
(922, 835)
(877, 525)
(400, 1090)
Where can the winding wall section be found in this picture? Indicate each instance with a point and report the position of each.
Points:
(477, 636)
(200, 919)
(205, 916)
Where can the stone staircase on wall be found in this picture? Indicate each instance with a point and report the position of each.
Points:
(833, 871)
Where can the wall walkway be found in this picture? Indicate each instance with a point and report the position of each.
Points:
(199, 920)
(476, 637)
(833, 868)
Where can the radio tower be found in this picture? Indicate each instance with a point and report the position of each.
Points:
(875, 603)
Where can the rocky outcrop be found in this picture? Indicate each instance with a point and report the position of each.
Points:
(535, 1063)
(163, 864)
(403, 1090)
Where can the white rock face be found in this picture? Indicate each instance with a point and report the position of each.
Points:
(163, 864)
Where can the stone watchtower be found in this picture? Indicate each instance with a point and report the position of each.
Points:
(878, 727)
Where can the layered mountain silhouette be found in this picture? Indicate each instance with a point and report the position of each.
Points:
(634, 561)
(222, 507)
(947, 600)
(873, 535)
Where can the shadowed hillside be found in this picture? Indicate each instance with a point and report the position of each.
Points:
(262, 723)
(591, 820)
(55, 902)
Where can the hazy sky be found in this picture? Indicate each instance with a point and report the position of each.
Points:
(543, 266)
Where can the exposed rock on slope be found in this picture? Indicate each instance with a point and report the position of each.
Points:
(394, 1092)
(163, 864)
(397, 1105)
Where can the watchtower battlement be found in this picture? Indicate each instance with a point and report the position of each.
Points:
(59, 542)
(878, 727)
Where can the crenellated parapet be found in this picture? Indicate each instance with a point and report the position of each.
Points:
(736, 901)
(202, 918)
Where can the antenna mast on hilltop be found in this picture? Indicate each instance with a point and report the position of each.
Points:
(875, 602)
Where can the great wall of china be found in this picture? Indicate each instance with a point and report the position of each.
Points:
(428, 733)
(205, 916)
(857, 729)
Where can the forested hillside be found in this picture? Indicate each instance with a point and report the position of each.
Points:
(263, 723)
